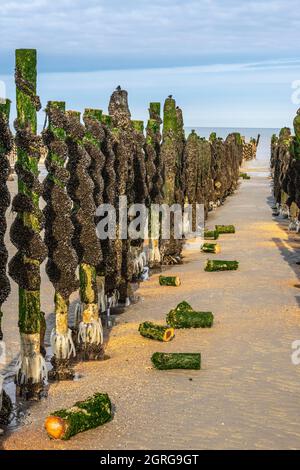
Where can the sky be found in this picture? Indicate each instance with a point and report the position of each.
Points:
(230, 63)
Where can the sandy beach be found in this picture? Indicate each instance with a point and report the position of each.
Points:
(247, 394)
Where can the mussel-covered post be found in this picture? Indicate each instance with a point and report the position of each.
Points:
(93, 139)
(6, 143)
(154, 180)
(124, 165)
(170, 155)
(140, 200)
(24, 267)
(191, 160)
(85, 241)
(59, 230)
(109, 266)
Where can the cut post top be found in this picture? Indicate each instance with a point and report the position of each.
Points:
(93, 113)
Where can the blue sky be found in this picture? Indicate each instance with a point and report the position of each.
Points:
(227, 63)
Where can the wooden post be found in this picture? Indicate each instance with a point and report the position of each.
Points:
(24, 267)
(6, 144)
(85, 241)
(62, 259)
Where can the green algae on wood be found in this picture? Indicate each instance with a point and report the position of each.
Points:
(245, 176)
(224, 229)
(169, 281)
(82, 416)
(158, 332)
(24, 267)
(211, 234)
(166, 361)
(219, 265)
(184, 316)
(210, 248)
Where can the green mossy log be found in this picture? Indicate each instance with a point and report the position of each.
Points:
(223, 229)
(211, 248)
(218, 265)
(165, 361)
(244, 176)
(169, 281)
(183, 316)
(84, 415)
(158, 332)
(211, 235)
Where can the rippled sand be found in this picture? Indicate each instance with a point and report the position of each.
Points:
(247, 393)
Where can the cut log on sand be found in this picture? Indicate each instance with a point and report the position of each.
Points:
(84, 415)
(211, 248)
(165, 361)
(169, 281)
(218, 265)
(223, 229)
(211, 235)
(245, 176)
(183, 316)
(158, 332)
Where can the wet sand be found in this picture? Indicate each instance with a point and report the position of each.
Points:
(247, 394)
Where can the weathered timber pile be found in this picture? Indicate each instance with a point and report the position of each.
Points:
(285, 167)
(250, 148)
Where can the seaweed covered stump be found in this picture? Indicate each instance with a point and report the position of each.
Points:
(184, 316)
(80, 189)
(169, 281)
(82, 416)
(218, 265)
(6, 144)
(165, 361)
(62, 260)
(158, 332)
(24, 267)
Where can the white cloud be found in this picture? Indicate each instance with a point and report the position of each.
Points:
(160, 28)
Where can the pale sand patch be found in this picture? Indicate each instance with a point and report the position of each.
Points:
(247, 393)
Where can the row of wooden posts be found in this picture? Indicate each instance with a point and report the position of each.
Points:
(285, 165)
(89, 162)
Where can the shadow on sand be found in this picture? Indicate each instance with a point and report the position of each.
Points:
(290, 249)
